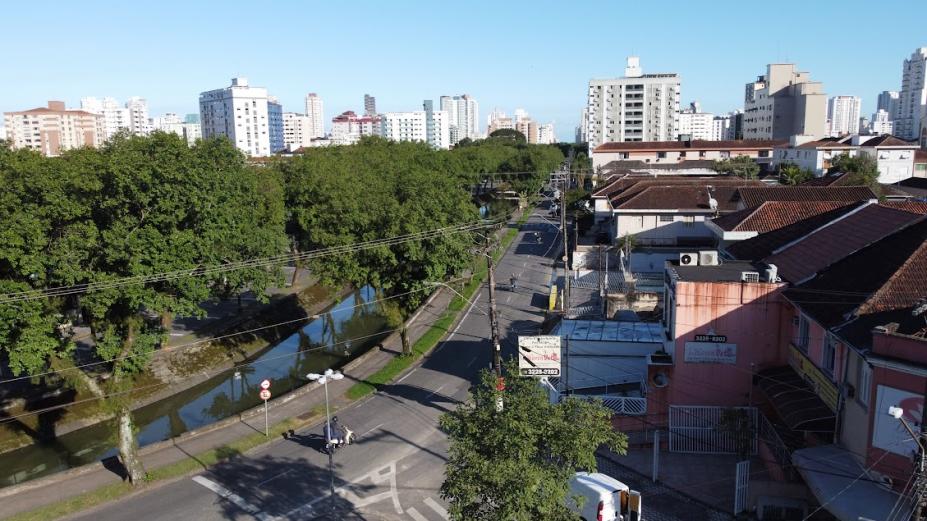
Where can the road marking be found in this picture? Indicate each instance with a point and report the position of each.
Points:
(415, 515)
(385, 473)
(368, 431)
(399, 381)
(268, 480)
(436, 391)
(232, 497)
(436, 507)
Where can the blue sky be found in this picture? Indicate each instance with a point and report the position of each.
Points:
(538, 55)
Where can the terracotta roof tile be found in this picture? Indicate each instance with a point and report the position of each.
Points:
(843, 236)
(887, 275)
(773, 215)
(753, 197)
(696, 144)
(908, 206)
(887, 140)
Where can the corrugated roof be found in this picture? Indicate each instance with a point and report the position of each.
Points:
(611, 331)
(753, 197)
(695, 144)
(773, 215)
(839, 239)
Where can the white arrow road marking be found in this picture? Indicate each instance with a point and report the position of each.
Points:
(232, 497)
(383, 474)
(436, 507)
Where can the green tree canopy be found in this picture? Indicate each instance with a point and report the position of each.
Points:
(515, 464)
(740, 166)
(508, 135)
(862, 170)
(792, 174)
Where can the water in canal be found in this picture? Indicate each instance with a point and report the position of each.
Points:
(325, 342)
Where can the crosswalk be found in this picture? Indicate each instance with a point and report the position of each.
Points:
(434, 507)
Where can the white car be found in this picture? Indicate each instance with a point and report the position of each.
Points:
(599, 497)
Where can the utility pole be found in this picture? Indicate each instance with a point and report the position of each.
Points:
(566, 247)
(493, 321)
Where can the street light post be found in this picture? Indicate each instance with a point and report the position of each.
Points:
(323, 379)
(920, 472)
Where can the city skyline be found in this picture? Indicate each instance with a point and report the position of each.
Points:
(170, 74)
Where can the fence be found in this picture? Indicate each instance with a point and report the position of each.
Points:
(780, 451)
(712, 430)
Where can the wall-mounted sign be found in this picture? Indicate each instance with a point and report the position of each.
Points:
(717, 339)
(711, 353)
(888, 433)
(539, 355)
(820, 382)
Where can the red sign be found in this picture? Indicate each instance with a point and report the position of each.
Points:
(265, 384)
(500, 384)
(265, 394)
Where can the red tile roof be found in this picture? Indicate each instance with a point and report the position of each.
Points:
(908, 206)
(828, 180)
(696, 144)
(843, 236)
(889, 274)
(773, 215)
(826, 145)
(753, 197)
(679, 198)
(623, 183)
(887, 140)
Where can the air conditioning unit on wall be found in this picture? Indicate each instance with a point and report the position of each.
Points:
(688, 259)
(708, 258)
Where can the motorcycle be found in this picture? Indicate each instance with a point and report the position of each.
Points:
(333, 444)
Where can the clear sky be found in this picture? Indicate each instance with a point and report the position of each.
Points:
(538, 55)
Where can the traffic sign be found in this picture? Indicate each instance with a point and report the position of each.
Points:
(265, 384)
(539, 355)
(265, 394)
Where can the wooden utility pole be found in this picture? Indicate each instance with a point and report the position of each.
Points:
(566, 248)
(493, 321)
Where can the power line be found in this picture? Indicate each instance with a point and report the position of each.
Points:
(233, 266)
(838, 494)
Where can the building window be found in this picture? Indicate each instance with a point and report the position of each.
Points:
(666, 218)
(863, 382)
(661, 155)
(764, 153)
(829, 354)
(803, 332)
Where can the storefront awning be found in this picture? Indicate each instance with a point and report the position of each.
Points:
(795, 401)
(830, 472)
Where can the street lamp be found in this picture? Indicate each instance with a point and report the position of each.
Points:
(898, 413)
(324, 379)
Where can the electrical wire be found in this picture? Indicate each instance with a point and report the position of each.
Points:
(838, 494)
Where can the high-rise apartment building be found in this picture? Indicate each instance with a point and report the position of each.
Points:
(888, 102)
(348, 127)
(637, 107)
(843, 115)
(528, 127)
(546, 134)
(115, 116)
(784, 103)
(414, 126)
(138, 115)
(297, 130)
(52, 130)
(912, 100)
(370, 105)
(498, 120)
(881, 123)
(464, 115)
(316, 115)
(238, 112)
(724, 127)
(695, 124)
(275, 125)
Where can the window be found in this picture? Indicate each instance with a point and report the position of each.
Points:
(829, 354)
(666, 218)
(863, 382)
(661, 155)
(803, 331)
(764, 153)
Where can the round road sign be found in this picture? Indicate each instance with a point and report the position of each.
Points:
(265, 394)
(265, 384)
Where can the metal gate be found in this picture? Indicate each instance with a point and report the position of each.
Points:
(712, 430)
(740, 486)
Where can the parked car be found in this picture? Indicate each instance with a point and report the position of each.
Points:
(603, 498)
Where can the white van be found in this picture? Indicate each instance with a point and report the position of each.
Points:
(604, 498)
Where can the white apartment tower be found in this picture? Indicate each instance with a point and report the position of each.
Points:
(297, 130)
(637, 107)
(888, 102)
(464, 114)
(912, 100)
(784, 103)
(427, 126)
(881, 123)
(315, 111)
(843, 115)
(138, 115)
(695, 124)
(115, 116)
(238, 112)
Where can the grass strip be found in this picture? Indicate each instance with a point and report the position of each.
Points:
(184, 467)
(436, 332)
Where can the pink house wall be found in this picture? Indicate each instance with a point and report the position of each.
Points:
(750, 315)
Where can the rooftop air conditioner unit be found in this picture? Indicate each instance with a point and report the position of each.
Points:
(688, 259)
(772, 273)
(749, 276)
(708, 258)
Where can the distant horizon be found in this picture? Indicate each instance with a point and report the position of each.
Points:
(410, 54)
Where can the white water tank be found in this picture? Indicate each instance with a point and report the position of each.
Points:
(772, 273)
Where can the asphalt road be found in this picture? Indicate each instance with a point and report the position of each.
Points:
(395, 470)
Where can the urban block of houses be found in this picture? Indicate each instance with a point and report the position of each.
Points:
(895, 157)
(674, 152)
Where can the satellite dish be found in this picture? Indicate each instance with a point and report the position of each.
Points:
(660, 380)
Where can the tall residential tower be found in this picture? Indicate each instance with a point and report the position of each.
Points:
(238, 112)
(912, 100)
(316, 117)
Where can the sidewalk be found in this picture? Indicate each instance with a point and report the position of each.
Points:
(298, 404)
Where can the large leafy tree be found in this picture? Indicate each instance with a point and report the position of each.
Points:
(862, 170)
(740, 166)
(792, 174)
(515, 464)
(140, 206)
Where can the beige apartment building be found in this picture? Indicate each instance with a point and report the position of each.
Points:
(53, 129)
(784, 103)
